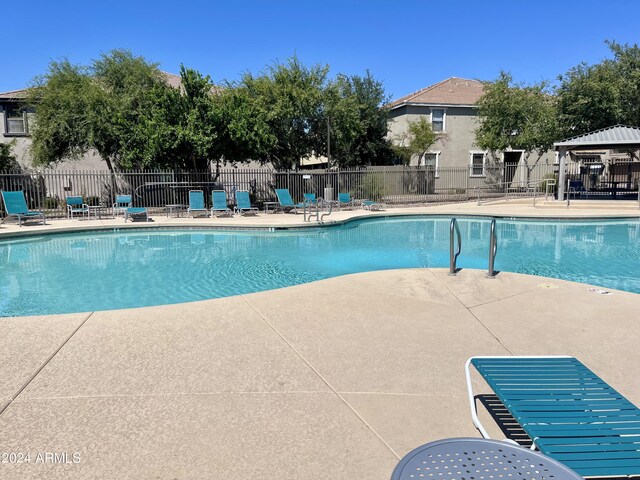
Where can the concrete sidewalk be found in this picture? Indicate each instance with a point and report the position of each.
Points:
(334, 379)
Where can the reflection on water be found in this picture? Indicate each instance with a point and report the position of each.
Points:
(97, 271)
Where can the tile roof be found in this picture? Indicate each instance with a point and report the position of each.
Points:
(171, 79)
(615, 135)
(14, 94)
(452, 91)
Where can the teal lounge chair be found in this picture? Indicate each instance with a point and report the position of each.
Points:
(310, 198)
(286, 202)
(345, 200)
(196, 203)
(75, 206)
(219, 203)
(124, 204)
(243, 203)
(15, 205)
(569, 412)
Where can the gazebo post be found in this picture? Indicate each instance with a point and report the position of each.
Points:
(562, 173)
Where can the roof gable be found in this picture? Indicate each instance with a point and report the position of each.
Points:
(170, 79)
(615, 135)
(14, 94)
(452, 91)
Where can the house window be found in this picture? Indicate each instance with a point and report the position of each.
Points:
(15, 120)
(477, 164)
(430, 160)
(437, 119)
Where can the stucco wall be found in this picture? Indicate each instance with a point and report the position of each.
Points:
(454, 144)
(457, 143)
(22, 144)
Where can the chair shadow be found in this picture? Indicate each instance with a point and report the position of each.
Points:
(507, 424)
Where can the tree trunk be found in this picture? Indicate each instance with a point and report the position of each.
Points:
(109, 165)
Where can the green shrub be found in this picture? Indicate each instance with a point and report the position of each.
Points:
(372, 186)
(545, 181)
(92, 200)
(51, 203)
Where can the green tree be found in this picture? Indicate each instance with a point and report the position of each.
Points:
(7, 159)
(518, 117)
(421, 138)
(198, 121)
(358, 121)
(62, 127)
(287, 103)
(106, 107)
(597, 96)
(247, 133)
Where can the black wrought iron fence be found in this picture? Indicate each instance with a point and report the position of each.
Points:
(401, 185)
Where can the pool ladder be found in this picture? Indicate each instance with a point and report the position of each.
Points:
(454, 233)
(314, 209)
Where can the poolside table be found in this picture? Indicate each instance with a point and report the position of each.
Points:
(478, 459)
(271, 207)
(174, 208)
(96, 210)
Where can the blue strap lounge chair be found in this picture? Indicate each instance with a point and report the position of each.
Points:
(196, 203)
(15, 205)
(310, 198)
(569, 412)
(286, 202)
(219, 203)
(243, 203)
(345, 200)
(75, 206)
(124, 204)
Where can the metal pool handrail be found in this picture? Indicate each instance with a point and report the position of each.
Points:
(319, 205)
(493, 249)
(454, 229)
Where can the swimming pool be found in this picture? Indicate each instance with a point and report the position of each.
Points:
(63, 273)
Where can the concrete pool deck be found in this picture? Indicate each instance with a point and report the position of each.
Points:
(335, 379)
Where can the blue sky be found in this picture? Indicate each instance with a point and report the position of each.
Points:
(406, 44)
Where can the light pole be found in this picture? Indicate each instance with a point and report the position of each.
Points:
(328, 142)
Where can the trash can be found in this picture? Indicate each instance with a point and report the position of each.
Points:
(328, 194)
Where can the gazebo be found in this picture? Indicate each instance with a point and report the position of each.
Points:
(618, 137)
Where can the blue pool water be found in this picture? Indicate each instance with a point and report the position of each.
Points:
(80, 272)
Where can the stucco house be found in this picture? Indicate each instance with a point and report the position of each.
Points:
(16, 121)
(450, 106)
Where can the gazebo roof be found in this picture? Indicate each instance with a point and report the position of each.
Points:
(616, 136)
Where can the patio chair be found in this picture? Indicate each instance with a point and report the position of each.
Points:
(479, 459)
(243, 203)
(124, 205)
(219, 203)
(76, 205)
(371, 205)
(196, 203)
(121, 204)
(286, 202)
(569, 412)
(345, 200)
(15, 204)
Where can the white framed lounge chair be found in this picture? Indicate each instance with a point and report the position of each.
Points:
(243, 203)
(219, 203)
(196, 203)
